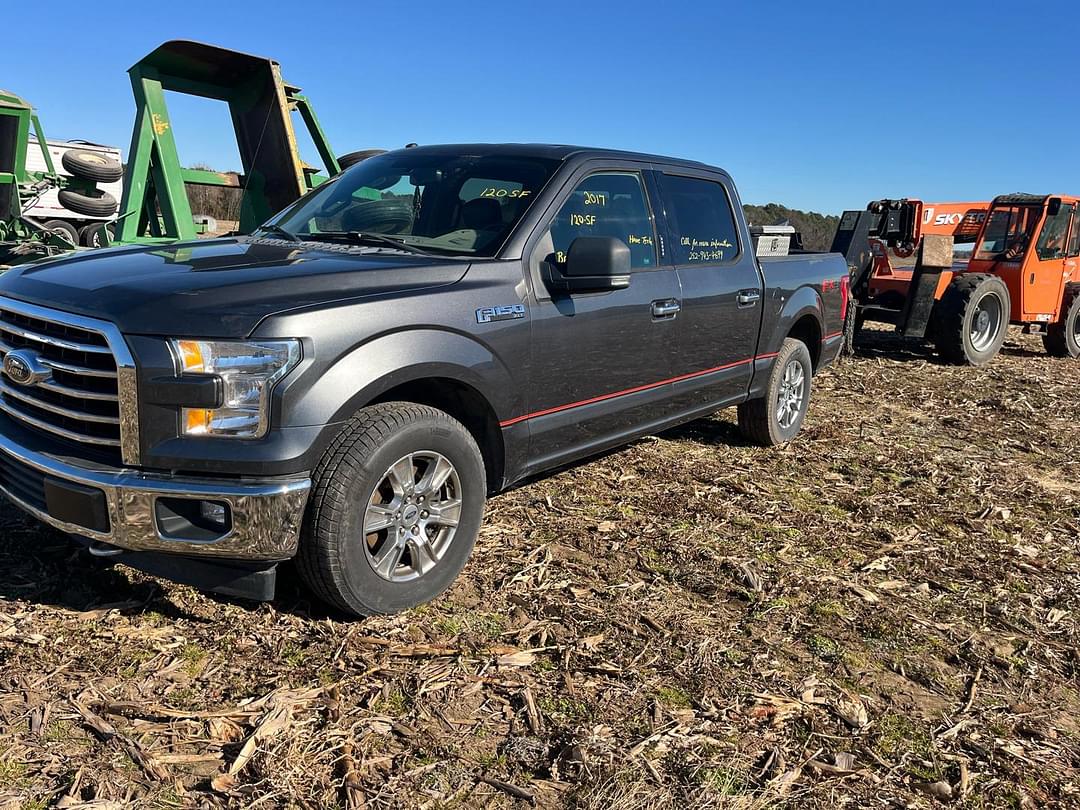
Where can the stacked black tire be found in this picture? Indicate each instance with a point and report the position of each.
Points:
(90, 167)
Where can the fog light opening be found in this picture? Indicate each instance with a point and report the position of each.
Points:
(192, 520)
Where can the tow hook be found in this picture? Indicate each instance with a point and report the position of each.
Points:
(100, 549)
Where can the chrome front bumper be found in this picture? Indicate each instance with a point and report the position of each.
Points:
(265, 514)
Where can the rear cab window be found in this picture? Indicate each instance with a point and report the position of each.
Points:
(701, 220)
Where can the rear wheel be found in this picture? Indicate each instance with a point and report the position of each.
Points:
(396, 505)
(971, 319)
(778, 416)
(64, 229)
(1062, 339)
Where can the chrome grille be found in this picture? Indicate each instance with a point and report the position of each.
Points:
(81, 400)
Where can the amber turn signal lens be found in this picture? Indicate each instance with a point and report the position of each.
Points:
(196, 420)
(191, 356)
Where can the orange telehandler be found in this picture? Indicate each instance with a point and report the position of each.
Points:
(1023, 270)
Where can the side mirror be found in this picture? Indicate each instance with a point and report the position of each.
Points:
(1053, 208)
(593, 264)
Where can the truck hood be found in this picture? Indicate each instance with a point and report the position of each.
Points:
(220, 287)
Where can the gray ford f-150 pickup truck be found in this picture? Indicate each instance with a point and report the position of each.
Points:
(347, 385)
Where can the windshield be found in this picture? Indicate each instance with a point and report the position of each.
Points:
(1009, 230)
(444, 202)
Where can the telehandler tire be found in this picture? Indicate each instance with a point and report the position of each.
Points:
(971, 320)
(853, 324)
(1062, 339)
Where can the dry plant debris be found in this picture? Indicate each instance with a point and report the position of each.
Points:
(882, 614)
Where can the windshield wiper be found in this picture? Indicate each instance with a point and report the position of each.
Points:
(365, 237)
(286, 234)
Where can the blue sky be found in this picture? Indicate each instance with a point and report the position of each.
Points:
(820, 106)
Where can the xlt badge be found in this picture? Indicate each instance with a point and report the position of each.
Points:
(507, 313)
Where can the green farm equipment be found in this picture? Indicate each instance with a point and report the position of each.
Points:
(154, 207)
(22, 235)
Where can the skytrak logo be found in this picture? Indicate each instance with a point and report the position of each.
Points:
(955, 218)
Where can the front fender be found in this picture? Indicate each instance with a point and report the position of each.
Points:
(372, 368)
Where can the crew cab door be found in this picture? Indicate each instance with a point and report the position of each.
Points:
(722, 289)
(600, 360)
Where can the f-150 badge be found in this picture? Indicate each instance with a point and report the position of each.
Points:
(507, 313)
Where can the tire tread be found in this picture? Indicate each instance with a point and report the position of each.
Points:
(755, 416)
(317, 560)
(1056, 339)
(949, 331)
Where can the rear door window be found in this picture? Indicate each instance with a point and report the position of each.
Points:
(701, 220)
(607, 204)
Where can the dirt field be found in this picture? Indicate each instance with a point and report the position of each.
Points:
(883, 614)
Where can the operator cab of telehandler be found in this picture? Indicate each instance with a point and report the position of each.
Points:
(1024, 270)
(1032, 243)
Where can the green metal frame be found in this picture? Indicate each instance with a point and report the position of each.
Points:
(17, 121)
(155, 206)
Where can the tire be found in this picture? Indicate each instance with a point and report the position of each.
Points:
(95, 203)
(760, 420)
(1062, 339)
(352, 158)
(65, 229)
(92, 166)
(338, 561)
(90, 235)
(379, 216)
(853, 324)
(966, 330)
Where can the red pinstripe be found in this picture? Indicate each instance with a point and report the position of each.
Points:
(647, 387)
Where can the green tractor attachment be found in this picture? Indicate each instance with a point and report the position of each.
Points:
(155, 206)
(23, 237)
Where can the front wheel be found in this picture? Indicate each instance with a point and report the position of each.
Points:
(778, 416)
(396, 505)
(971, 319)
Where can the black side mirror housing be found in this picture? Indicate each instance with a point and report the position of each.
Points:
(593, 264)
(1053, 208)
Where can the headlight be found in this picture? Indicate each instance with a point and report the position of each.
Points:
(247, 370)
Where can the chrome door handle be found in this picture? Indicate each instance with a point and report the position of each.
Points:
(747, 298)
(665, 309)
